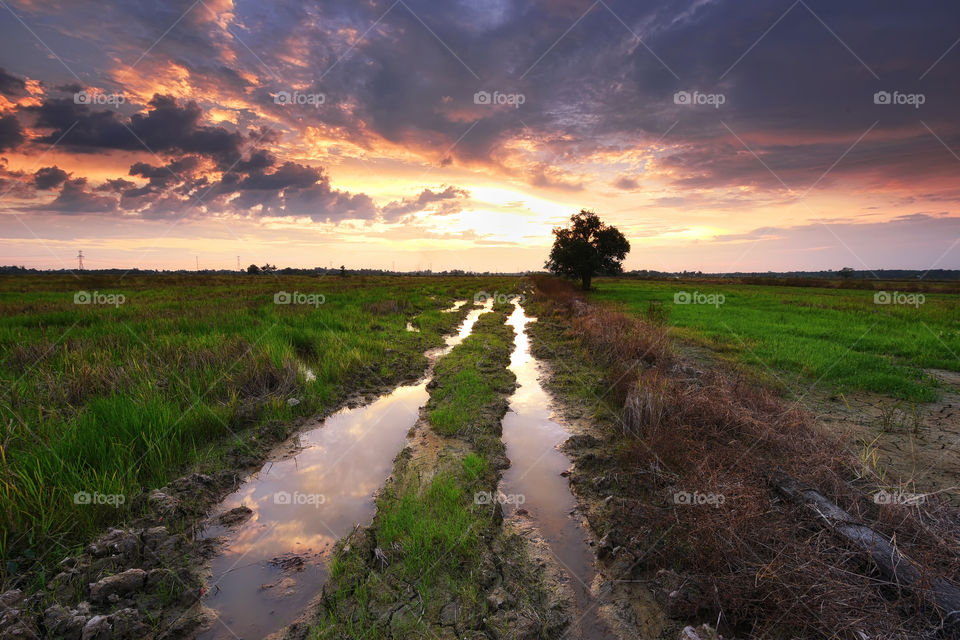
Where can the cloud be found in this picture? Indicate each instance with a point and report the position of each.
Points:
(598, 108)
(916, 239)
(168, 126)
(12, 85)
(13, 182)
(439, 202)
(49, 177)
(171, 173)
(75, 198)
(323, 204)
(11, 134)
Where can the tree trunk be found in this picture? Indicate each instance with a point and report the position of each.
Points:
(585, 280)
(894, 564)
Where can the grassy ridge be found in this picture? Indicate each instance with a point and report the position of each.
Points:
(839, 337)
(113, 399)
(432, 549)
(471, 378)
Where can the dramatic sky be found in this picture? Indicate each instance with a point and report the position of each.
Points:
(721, 135)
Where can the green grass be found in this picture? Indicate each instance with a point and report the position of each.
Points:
(465, 386)
(837, 338)
(120, 399)
(438, 533)
(437, 525)
(435, 534)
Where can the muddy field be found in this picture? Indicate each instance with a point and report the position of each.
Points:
(543, 467)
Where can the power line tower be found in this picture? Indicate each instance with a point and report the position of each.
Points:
(80, 260)
(238, 264)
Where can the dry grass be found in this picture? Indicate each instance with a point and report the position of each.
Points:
(765, 568)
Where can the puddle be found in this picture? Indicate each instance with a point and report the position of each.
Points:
(532, 438)
(275, 563)
(455, 307)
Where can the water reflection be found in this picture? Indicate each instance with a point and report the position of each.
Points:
(303, 504)
(531, 438)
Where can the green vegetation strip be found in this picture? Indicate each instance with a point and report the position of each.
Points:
(427, 564)
(843, 339)
(104, 401)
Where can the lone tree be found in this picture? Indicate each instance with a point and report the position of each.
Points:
(587, 248)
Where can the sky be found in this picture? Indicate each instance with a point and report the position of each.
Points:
(717, 135)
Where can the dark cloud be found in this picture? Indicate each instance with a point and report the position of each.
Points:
(11, 133)
(49, 177)
(256, 186)
(12, 85)
(75, 198)
(14, 183)
(323, 204)
(799, 96)
(170, 173)
(167, 126)
(450, 200)
(116, 185)
(287, 175)
(70, 88)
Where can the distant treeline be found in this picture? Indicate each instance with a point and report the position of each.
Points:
(933, 275)
(845, 274)
(286, 271)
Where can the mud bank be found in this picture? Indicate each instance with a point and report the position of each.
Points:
(676, 488)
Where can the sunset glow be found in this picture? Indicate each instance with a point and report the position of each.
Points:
(717, 136)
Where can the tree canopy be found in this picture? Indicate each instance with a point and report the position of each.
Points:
(587, 248)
